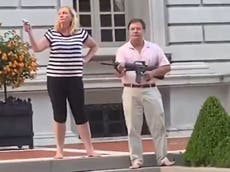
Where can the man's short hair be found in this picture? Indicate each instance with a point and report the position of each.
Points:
(137, 20)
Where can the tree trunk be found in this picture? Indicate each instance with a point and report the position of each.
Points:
(5, 92)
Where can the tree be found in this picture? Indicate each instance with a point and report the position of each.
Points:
(221, 156)
(211, 127)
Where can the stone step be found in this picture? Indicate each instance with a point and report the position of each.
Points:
(116, 163)
(143, 169)
(71, 164)
(170, 169)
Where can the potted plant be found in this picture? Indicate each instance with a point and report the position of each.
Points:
(17, 64)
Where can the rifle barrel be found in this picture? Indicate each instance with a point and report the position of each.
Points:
(109, 64)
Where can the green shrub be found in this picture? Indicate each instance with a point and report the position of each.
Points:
(212, 126)
(221, 156)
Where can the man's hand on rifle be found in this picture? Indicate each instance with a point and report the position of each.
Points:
(120, 70)
(148, 75)
(158, 73)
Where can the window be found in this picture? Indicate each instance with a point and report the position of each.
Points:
(105, 20)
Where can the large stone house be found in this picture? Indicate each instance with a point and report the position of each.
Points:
(195, 32)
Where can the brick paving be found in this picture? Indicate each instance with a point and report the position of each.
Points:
(77, 150)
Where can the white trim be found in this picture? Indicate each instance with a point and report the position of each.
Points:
(151, 19)
(66, 3)
(158, 18)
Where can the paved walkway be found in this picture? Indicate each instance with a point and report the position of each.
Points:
(114, 147)
(114, 158)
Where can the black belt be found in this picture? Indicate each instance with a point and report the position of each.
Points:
(140, 86)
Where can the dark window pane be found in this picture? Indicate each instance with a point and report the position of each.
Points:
(120, 34)
(84, 5)
(105, 5)
(106, 20)
(75, 2)
(118, 5)
(119, 20)
(106, 35)
(89, 31)
(85, 20)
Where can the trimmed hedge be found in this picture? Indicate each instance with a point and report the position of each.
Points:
(211, 127)
(221, 156)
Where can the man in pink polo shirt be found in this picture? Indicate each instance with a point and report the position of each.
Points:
(143, 97)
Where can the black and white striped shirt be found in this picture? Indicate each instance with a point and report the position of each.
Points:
(65, 58)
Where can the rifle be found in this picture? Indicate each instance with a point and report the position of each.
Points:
(138, 66)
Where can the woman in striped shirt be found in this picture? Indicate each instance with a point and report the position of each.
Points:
(64, 73)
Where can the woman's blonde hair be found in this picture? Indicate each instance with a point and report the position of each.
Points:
(74, 25)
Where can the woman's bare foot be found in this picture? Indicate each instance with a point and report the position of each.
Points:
(58, 155)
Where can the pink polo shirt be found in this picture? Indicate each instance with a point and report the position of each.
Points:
(151, 53)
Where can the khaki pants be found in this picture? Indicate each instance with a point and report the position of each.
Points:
(137, 101)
